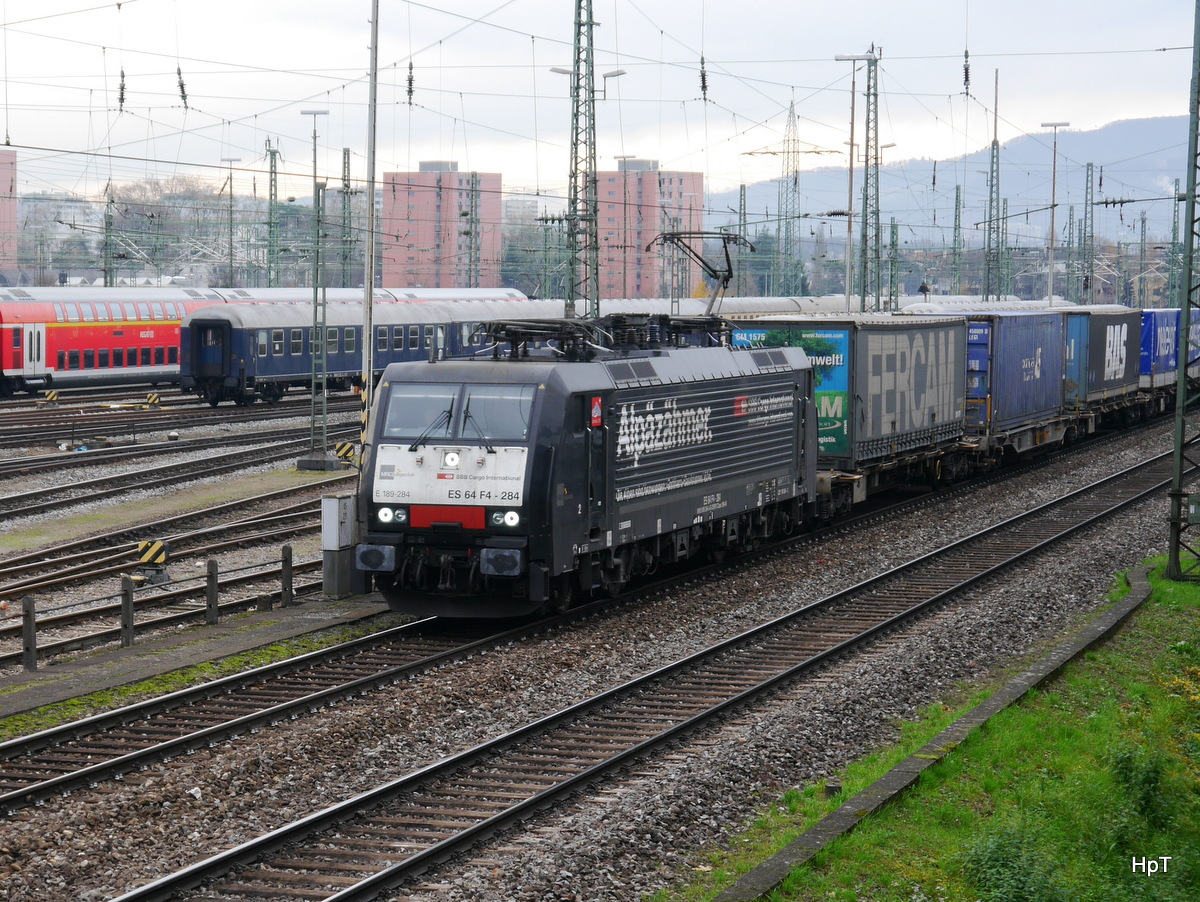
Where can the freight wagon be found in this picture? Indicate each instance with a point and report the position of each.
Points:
(890, 397)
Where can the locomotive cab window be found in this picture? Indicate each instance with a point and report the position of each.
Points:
(475, 414)
(496, 412)
(418, 410)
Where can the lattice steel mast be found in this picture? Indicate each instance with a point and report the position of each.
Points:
(869, 250)
(993, 247)
(1183, 561)
(582, 228)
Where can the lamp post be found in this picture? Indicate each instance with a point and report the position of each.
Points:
(854, 58)
(231, 161)
(318, 458)
(1053, 190)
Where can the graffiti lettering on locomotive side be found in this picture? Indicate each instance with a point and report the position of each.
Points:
(660, 426)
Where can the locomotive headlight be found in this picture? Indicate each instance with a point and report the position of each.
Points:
(512, 518)
(386, 515)
(497, 518)
(401, 515)
(450, 460)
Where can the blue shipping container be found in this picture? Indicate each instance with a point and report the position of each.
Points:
(1160, 357)
(1015, 363)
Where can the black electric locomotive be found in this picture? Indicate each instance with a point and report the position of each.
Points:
(577, 456)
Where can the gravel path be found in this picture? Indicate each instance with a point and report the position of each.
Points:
(95, 845)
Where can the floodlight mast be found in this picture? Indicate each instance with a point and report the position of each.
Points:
(1053, 191)
(855, 58)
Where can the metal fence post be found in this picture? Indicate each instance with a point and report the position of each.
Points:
(288, 596)
(210, 612)
(126, 612)
(29, 633)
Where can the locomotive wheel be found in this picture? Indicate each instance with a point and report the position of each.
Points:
(563, 594)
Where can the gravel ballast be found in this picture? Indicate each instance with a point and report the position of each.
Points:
(631, 839)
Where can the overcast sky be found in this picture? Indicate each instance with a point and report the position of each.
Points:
(483, 92)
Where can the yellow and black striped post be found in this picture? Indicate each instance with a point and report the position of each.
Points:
(152, 563)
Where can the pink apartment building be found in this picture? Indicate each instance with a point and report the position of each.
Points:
(8, 210)
(636, 204)
(440, 228)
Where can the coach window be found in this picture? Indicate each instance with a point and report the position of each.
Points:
(297, 336)
(89, 315)
(331, 346)
(276, 342)
(397, 338)
(62, 360)
(89, 360)
(145, 357)
(414, 337)
(348, 341)
(132, 357)
(428, 340)
(144, 311)
(160, 355)
(72, 313)
(158, 310)
(72, 360)
(381, 338)
(58, 312)
(118, 357)
(262, 342)
(173, 355)
(172, 313)
(103, 353)
(314, 336)
(130, 313)
(101, 313)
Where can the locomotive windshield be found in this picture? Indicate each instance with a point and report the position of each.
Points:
(474, 413)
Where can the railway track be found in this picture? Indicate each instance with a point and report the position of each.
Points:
(82, 562)
(69, 494)
(95, 423)
(94, 552)
(24, 466)
(383, 838)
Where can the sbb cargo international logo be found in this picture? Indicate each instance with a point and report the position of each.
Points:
(660, 426)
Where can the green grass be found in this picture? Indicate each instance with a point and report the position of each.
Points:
(1051, 800)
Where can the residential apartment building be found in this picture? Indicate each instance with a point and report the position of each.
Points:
(440, 228)
(636, 204)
